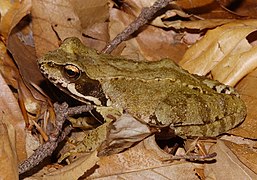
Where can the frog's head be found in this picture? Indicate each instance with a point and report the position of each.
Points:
(66, 69)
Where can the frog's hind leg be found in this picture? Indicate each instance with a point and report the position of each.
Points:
(210, 129)
(199, 114)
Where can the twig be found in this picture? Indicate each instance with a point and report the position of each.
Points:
(145, 15)
(193, 157)
(56, 136)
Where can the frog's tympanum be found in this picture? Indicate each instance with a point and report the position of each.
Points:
(158, 94)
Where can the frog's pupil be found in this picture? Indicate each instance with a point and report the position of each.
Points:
(72, 71)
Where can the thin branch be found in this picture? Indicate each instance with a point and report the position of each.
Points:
(56, 136)
(145, 15)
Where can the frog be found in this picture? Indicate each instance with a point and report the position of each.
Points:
(158, 94)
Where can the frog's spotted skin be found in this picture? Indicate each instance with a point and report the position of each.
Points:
(157, 93)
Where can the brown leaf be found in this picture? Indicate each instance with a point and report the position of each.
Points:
(245, 8)
(138, 48)
(13, 117)
(8, 156)
(15, 12)
(20, 44)
(56, 21)
(211, 9)
(247, 89)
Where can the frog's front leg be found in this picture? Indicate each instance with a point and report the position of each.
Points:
(93, 132)
(122, 130)
(199, 114)
(118, 132)
(91, 141)
(85, 123)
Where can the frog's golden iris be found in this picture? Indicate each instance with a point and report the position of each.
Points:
(71, 71)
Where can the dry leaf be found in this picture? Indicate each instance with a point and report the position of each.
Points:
(8, 156)
(197, 25)
(213, 53)
(13, 14)
(244, 8)
(143, 161)
(10, 108)
(138, 48)
(74, 170)
(189, 4)
(246, 154)
(54, 21)
(20, 45)
(247, 89)
(227, 165)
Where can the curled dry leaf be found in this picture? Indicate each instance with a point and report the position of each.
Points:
(123, 133)
(223, 47)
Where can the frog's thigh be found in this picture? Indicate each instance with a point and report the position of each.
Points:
(199, 114)
(208, 130)
(182, 109)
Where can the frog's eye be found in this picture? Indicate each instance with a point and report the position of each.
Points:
(71, 71)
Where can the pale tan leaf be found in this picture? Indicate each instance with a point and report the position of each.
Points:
(182, 171)
(50, 18)
(227, 165)
(234, 67)
(91, 11)
(136, 6)
(244, 150)
(245, 153)
(146, 153)
(123, 133)
(222, 51)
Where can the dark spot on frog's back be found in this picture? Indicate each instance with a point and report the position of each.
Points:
(90, 87)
